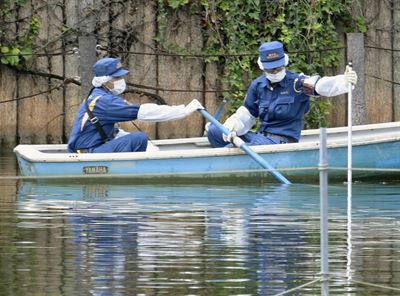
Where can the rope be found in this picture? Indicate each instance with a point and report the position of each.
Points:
(184, 90)
(383, 79)
(197, 55)
(140, 130)
(375, 285)
(366, 169)
(158, 53)
(48, 54)
(320, 279)
(370, 284)
(74, 51)
(58, 86)
(382, 48)
(299, 287)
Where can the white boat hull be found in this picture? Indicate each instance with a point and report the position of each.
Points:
(375, 153)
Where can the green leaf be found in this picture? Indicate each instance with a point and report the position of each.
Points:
(26, 53)
(13, 60)
(361, 24)
(15, 51)
(176, 3)
(4, 49)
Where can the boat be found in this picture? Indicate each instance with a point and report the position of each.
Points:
(375, 154)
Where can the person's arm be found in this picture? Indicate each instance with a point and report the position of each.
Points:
(116, 109)
(159, 113)
(240, 122)
(244, 118)
(330, 86)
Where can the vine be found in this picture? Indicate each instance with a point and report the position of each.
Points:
(15, 48)
(305, 27)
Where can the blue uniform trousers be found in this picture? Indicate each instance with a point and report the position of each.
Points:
(132, 142)
(251, 138)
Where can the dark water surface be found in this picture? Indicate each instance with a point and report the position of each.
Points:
(116, 238)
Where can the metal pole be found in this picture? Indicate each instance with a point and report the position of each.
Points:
(349, 144)
(349, 179)
(323, 189)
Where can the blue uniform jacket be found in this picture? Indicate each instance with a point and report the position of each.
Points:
(109, 109)
(280, 107)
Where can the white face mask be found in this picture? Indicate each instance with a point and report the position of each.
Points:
(274, 78)
(119, 87)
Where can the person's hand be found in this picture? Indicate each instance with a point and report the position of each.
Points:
(231, 125)
(229, 137)
(207, 126)
(194, 105)
(350, 75)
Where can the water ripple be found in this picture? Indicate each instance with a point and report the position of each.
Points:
(119, 239)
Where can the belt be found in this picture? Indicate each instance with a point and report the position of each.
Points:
(280, 138)
(82, 150)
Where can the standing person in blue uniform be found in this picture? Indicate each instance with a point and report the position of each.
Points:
(280, 99)
(94, 129)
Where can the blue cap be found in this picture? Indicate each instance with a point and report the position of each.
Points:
(272, 55)
(109, 67)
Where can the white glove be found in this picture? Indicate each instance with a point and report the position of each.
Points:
(206, 127)
(194, 105)
(350, 75)
(232, 124)
(240, 123)
(229, 137)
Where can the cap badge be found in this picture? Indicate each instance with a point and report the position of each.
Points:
(272, 55)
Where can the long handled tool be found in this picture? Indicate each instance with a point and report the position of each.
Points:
(349, 177)
(238, 142)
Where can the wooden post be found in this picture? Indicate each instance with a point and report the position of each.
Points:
(87, 44)
(8, 119)
(72, 95)
(396, 62)
(355, 53)
(178, 73)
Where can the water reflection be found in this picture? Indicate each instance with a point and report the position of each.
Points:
(118, 239)
(183, 239)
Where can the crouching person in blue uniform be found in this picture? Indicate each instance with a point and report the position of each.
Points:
(94, 129)
(280, 99)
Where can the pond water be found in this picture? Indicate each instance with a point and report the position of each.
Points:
(116, 238)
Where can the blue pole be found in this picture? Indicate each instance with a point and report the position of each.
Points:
(242, 145)
(220, 109)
